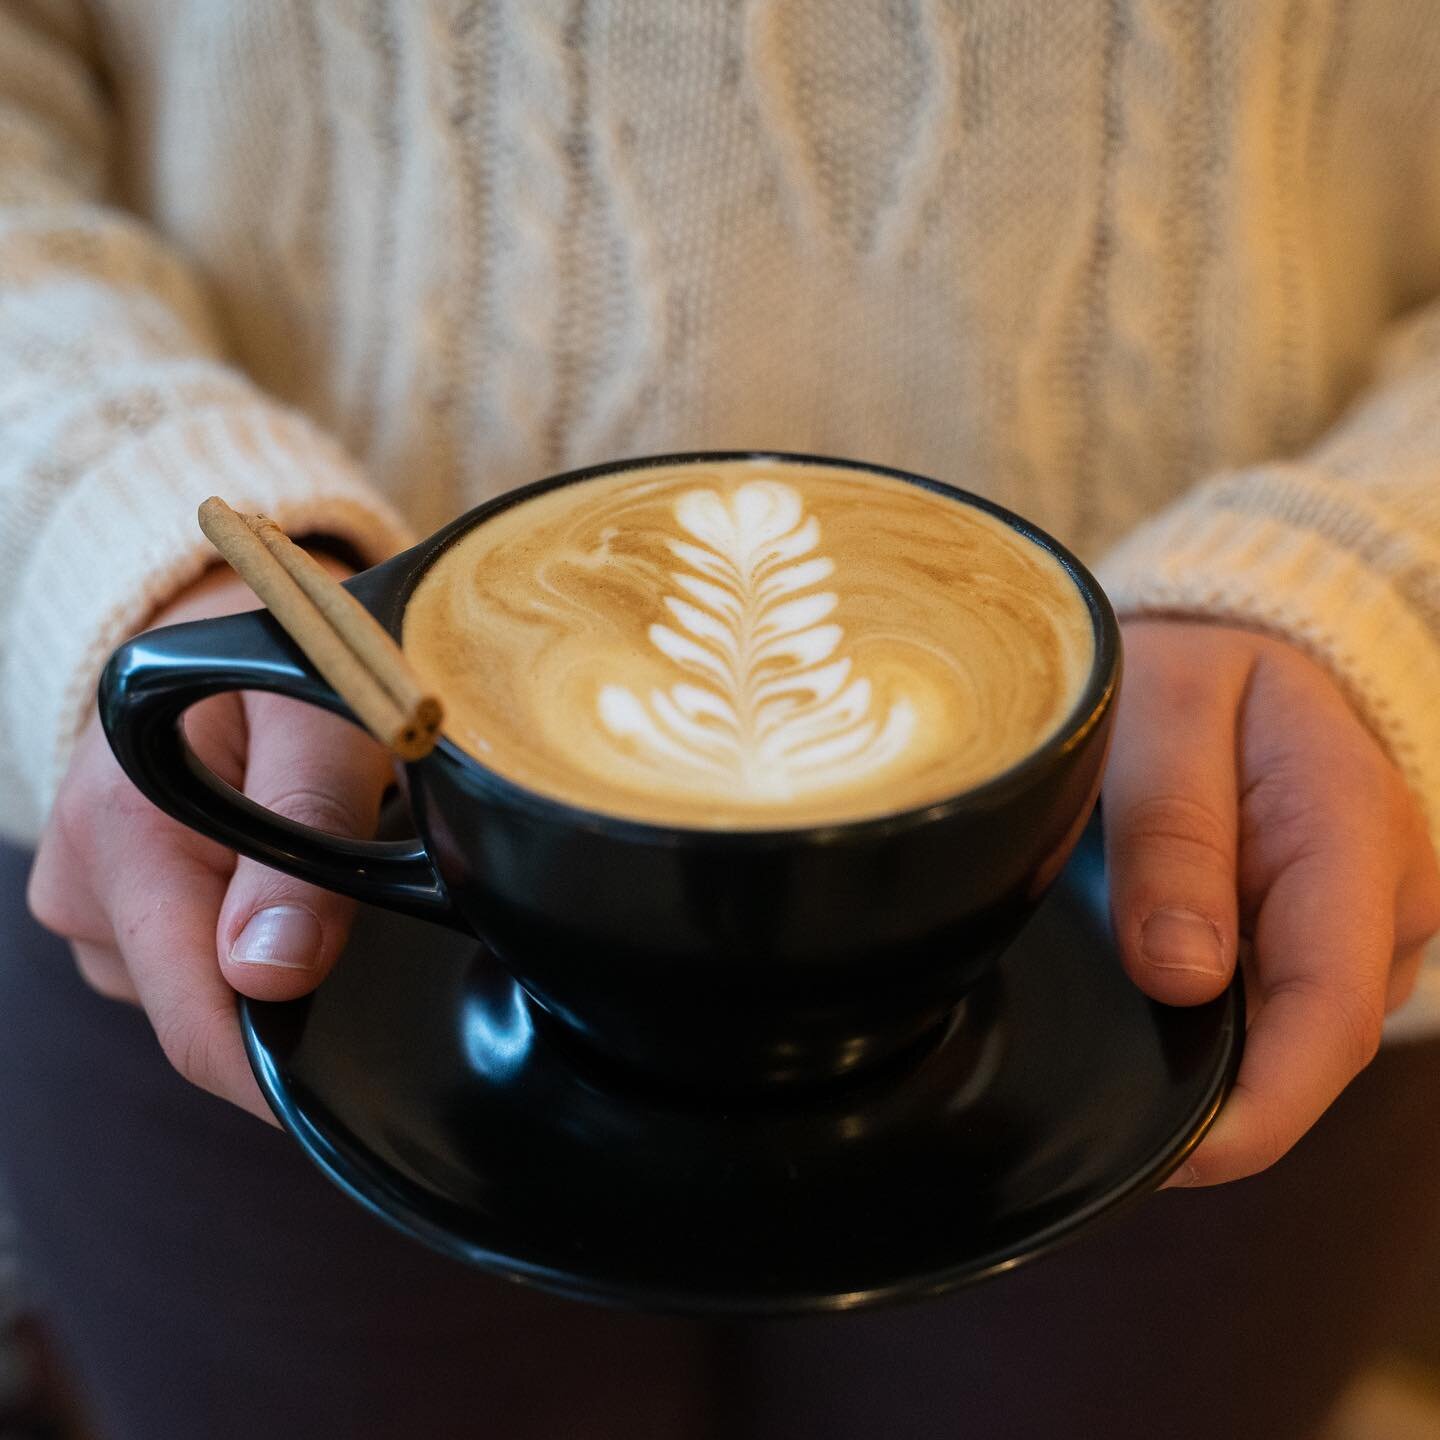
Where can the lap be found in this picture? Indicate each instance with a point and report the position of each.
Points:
(206, 1280)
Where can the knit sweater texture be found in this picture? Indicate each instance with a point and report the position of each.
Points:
(1159, 275)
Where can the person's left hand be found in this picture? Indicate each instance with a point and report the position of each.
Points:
(1245, 797)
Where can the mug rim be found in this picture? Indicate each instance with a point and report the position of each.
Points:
(1080, 720)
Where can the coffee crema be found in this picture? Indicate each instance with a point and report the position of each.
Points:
(749, 644)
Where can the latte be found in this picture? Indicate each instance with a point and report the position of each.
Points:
(749, 644)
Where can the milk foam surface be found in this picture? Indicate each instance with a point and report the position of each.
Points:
(749, 644)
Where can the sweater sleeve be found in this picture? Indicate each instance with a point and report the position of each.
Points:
(118, 412)
(1337, 551)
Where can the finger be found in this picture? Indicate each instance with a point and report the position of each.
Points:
(278, 936)
(59, 892)
(99, 821)
(1324, 942)
(1170, 823)
(103, 969)
(163, 893)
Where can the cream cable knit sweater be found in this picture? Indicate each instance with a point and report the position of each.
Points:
(1153, 272)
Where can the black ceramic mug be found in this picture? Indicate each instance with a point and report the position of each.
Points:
(711, 960)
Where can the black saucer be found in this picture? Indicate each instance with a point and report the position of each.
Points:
(416, 1079)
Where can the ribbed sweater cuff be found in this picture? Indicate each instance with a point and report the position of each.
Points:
(1324, 567)
(124, 540)
(1317, 564)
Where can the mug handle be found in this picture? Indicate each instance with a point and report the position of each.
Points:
(146, 688)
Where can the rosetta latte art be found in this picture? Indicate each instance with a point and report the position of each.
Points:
(771, 708)
(737, 644)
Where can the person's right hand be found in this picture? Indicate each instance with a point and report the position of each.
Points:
(160, 916)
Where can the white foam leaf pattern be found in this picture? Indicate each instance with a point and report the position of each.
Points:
(763, 708)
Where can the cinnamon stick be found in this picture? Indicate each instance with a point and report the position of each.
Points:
(344, 642)
(360, 630)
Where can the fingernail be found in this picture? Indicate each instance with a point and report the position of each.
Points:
(1182, 940)
(1185, 1175)
(284, 935)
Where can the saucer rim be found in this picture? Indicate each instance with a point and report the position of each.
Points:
(400, 1203)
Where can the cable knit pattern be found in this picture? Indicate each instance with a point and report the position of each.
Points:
(630, 308)
(922, 164)
(1163, 276)
(536, 179)
(780, 109)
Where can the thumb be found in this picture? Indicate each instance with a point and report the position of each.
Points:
(277, 937)
(1170, 810)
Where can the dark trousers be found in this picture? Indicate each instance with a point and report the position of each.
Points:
(206, 1283)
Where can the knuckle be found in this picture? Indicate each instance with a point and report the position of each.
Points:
(45, 900)
(52, 895)
(192, 1045)
(312, 804)
(1176, 827)
(73, 817)
(1282, 804)
(1297, 816)
(1355, 1016)
(106, 980)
